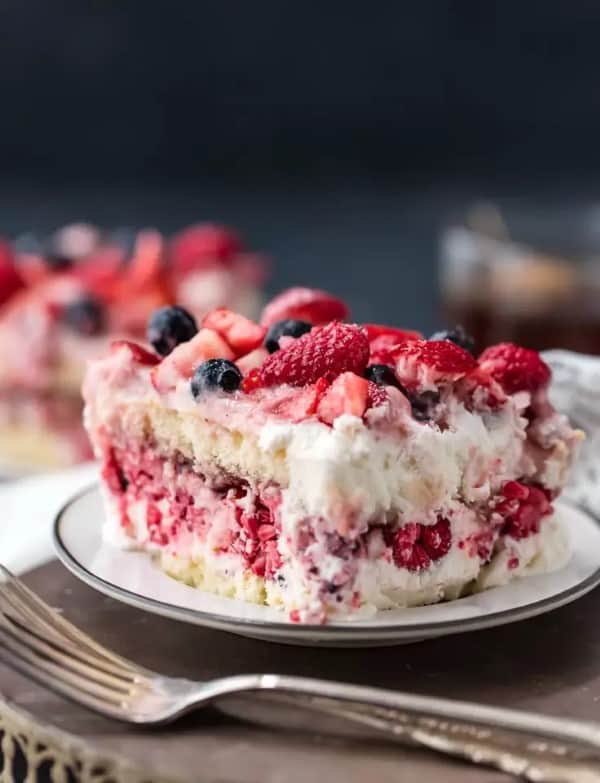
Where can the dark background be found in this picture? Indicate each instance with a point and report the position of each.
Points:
(338, 136)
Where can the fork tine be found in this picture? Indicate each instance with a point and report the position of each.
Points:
(16, 661)
(54, 674)
(63, 657)
(52, 617)
(15, 610)
(54, 623)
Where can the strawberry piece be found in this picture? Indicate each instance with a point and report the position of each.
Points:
(203, 246)
(242, 334)
(385, 339)
(304, 304)
(480, 391)
(416, 546)
(184, 359)
(326, 351)
(10, 279)
(383, 349)
(147, 263)
(251, 360)
(347, 394)
(137, 352)
(102, 271)
(515, 368)
(424, 363)
(301, 403)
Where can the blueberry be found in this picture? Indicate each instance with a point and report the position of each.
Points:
(458, 336)
(288, 328)
(168, 327)
(382, 375)
(215, 374)
(422, 404)
(85, 316)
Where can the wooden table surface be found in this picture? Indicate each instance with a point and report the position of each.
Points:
(550, 664)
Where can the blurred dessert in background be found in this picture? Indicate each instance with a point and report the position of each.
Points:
(501, 289)
(63, 299)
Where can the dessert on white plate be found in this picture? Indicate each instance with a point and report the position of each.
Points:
(325, 467)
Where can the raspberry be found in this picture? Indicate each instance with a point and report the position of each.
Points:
(514, 490)
(377, 395)
(257, 541)
(416, 546)
(325, 352)
(240, 333)
(527, 518)
(304, 304)
(522, 508)
(436, 539)
(407, 551)
(515, 368)
(423, 363)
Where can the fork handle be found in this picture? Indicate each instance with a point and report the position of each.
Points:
(534, 746)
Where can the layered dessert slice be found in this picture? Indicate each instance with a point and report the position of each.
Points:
(325, 467)
(65, 299)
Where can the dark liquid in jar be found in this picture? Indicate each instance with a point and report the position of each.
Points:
(568, 329)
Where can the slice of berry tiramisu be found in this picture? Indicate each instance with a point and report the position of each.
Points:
(326, 467)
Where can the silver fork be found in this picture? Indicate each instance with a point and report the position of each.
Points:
(43, 645)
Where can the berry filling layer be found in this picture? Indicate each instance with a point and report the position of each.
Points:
(221, 533)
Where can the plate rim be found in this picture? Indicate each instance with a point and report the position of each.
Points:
(349, 632)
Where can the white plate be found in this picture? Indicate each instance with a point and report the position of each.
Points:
(133, 578)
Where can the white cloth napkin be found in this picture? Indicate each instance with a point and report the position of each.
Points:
(28, 507)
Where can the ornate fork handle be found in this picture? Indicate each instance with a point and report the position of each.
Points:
(534, 747)
(524, 755)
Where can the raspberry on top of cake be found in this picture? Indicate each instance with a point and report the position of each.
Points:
(328, 467)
